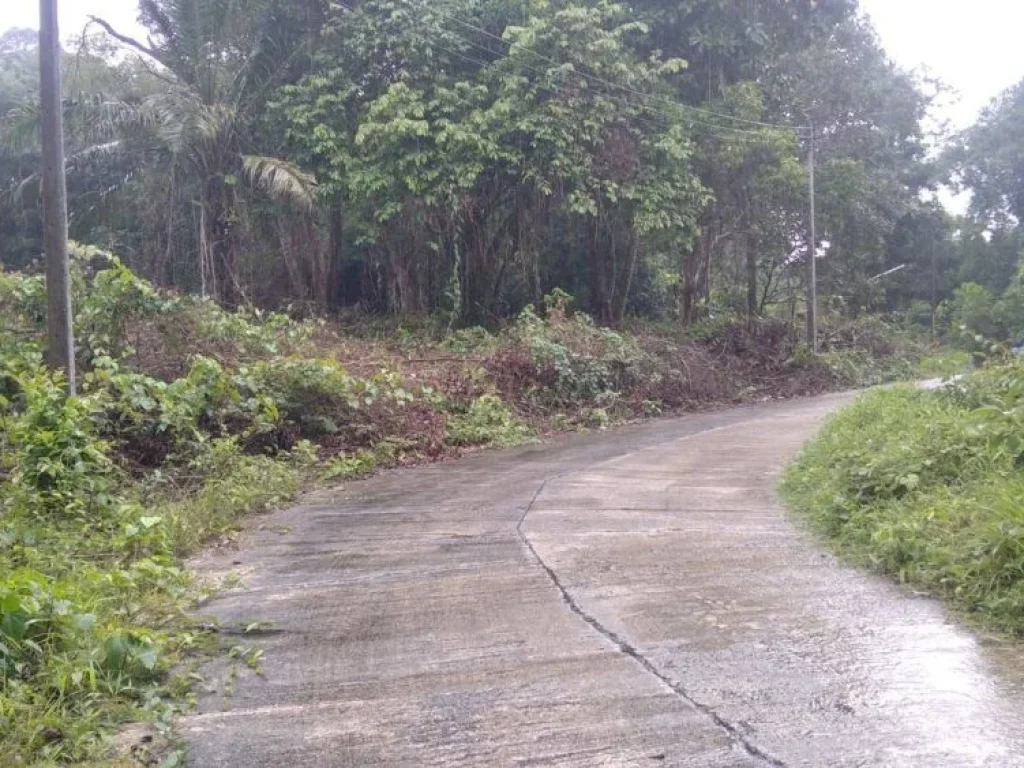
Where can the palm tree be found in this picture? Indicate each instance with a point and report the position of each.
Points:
(217, 61)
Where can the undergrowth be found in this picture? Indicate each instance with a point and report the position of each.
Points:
(927, 486)
(190, 417)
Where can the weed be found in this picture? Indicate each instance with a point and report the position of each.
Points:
(488, 421)
(927, 486)
(190, 417)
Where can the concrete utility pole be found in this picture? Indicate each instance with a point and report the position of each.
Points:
(935, 291)
(61, 351)
(812, 258)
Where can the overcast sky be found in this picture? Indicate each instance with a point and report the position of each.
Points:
(972, 45)
(73, 14)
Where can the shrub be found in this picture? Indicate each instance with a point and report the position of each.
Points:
(470, 340)
(927, 486)
(489, 421)
(978, 311)
(563, 361)
(977, 315)
(57, 464)
(316, 395)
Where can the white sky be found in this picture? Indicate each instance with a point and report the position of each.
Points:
(972, 45)
(73, 15)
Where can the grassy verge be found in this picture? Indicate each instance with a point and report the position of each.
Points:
(96, 615)
(190, 417)
(928, 487)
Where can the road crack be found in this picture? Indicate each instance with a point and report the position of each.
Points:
(625, 648)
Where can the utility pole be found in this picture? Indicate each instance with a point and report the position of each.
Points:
(935, 290)
(61, 350)
(812, 258)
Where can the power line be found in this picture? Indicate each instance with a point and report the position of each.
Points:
(738, 134)
(620, 99)
(609, 83)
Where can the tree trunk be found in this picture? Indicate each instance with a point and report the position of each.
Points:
(335, 256)
(752, 299)
(406, 296)
(696, 278)
(219, 214)
(291, 255)
(626, 283)
(600, 298)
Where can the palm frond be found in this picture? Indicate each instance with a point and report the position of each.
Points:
(89, 119)
(73, 163)
(216, 122)
(95, 152)
(97, 119)
(176, 115)
(280, 179)
(17, 193)
(19, 129)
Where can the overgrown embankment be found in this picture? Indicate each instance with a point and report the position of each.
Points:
(189, 416)
(928, 487)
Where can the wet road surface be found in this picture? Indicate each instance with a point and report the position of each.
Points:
(632, 598)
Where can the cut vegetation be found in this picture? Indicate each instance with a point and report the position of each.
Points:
(190, 416)
(358, 235)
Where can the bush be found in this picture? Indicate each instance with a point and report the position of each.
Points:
(489, 421)
(470, 340)
(56, 463)
(977, 315)
(317, 396)
(190, 416)
(567, 362)
(927, 486)
(976, 310)
(88, 550)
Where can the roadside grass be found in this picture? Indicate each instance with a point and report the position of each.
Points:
(929, 488)
(190, 417)
(945, 364)
(95, 622)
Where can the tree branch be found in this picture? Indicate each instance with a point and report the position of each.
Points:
(158, 75)
(129, 41)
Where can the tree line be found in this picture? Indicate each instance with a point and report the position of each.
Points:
(469, 156)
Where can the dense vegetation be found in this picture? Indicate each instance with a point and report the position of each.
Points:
(927, 486)
(355, 234)
(470, 156)
(190, 415)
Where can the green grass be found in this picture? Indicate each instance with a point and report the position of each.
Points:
(927, 487)
(190, 417)
(96, 628)
(945, 364)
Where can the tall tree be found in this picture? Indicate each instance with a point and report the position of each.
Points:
(988, 160)
(219, 61)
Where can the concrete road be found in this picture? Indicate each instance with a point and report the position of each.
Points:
(636, 598)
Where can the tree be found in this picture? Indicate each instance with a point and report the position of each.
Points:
(988, 160)
(511, 152)
(218, 63)
(473, 155)
(871, 156)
